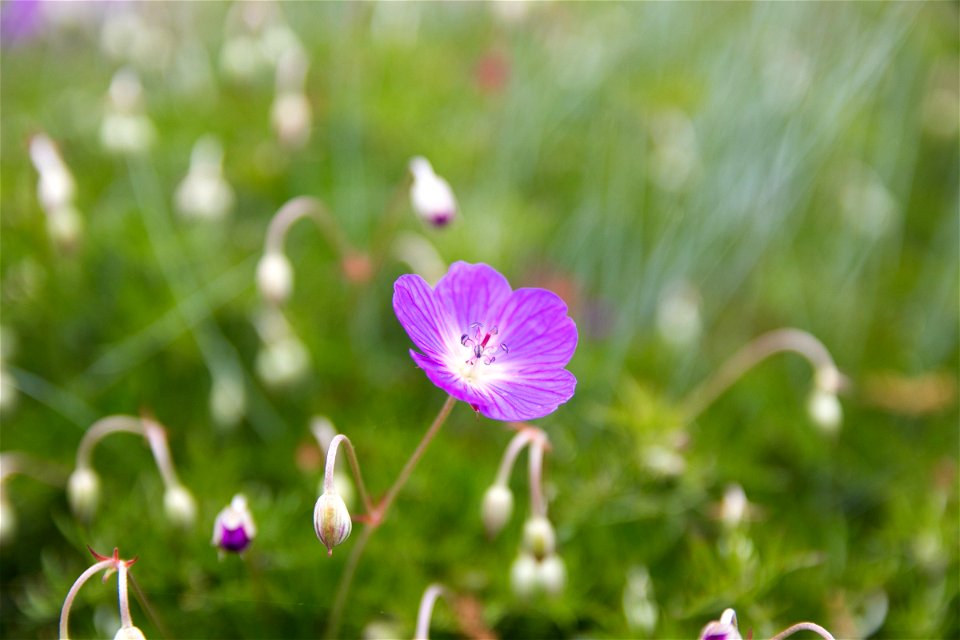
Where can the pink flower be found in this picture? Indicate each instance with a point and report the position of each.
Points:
(502, 351)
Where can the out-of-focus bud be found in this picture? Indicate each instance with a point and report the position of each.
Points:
(638, 604)
(204, 193)
(283, 361)
(331, 520)
(180, 506)
(678, 315)
(523, 575)
(8, 519)
(431, 196)
(65, 226)
(56, 187)
(539, 538)
(83, 492)
(497, 507)
(234, 529)
(291, 118)
(825, 410)
(552, 575)
(129, 633)
(733, 508)
(723, 629)
(228, 400)
(126, 130)
(275, 277)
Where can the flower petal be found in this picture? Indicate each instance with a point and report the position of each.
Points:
(535, 395)
(535, 327)
(422, 315)
(472, 293)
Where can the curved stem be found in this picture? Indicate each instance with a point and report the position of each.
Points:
(156, 436)
(429, 599)
(12, 463)
(328, 485)
(749, 356)
(537, 502)
(803, 626)
(102, 428)
(305, 207)
(513, 450)
(378, 514)
(72, 594)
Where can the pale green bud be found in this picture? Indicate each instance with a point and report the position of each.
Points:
(83, 492)
(552, 575)
(497, 507)
(275, 277)
(523, 575)
(129, 633)
(180, 506)
(331, 520)
(538, 537)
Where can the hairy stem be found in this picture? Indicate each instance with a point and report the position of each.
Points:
(429, 599)
(72, 594)
(354, 467)
(803, 626)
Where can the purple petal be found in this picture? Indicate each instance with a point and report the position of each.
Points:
(472, 293)
(422, 316)
(528, 397)
(535, 326)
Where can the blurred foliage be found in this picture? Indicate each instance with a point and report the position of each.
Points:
(786, 164)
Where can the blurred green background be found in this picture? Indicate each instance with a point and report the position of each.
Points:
(687, 176)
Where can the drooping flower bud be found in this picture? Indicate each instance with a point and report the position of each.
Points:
(431, 196)
(552, 575)
(129, 633)
(723, 629)
(228, 400)
(539, 538)
(234, 528)
(275, 277)
(283, 362)
(523, 575)
(204, 193)
(497, 507)
(83, 492)
(331, 520)
(825, 410)
(180, 506)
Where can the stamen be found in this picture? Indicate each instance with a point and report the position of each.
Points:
(480, 344)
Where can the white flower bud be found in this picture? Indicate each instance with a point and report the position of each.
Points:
(83, 492)
(282, 362)
(204, 194)
(733, 508)
(431, 196)
(291, 118)
(228, 401)
(180, 506)
(275, 277)
(64, 225)
(331, 520)
(523, 575)
(552, 575)
(129, 633)
(497, 507)
(8, 520)
(538, 537)
(825, 410)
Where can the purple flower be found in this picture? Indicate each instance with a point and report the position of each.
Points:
(501, 351)
(234, 529)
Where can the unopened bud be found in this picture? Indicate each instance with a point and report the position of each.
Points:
(283, 362)
(538, 537)
(129, 633)
(523, 575)
(228, 401)
(497, 507)
(552, 575)
(291, 119)
(65, 226)
(431, 196)
(275, 277)
(723, 629)
(180, 506)
(8, 520)
(825, 410)
(83, 492)
(234, 528)
(331, 520)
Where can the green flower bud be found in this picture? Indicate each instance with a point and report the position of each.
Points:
(331, 520)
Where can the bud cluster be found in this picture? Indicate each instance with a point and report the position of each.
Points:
(56, 190)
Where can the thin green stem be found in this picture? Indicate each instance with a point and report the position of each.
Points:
(377, 516)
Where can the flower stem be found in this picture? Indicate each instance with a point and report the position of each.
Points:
(537, 503)
(302, 207)
(748, 357)
(328, 485)
(125, 620)
(803, 626)
(102, 428)
(513, 450)
(72, 594)
(430, 596)
(378, 514)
